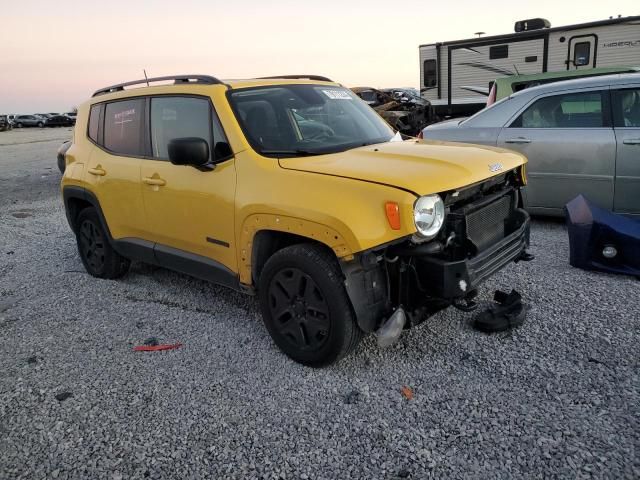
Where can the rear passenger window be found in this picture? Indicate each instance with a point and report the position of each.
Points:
(94, 119)
(123, 122)
(626, 107)
(180, 117)
(573, 110)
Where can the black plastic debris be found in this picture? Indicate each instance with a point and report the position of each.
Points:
(508, 312)
(602, 240)
(62, 396)
(352, 397)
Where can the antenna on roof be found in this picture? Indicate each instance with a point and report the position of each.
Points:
(145, 76)
(479, 34)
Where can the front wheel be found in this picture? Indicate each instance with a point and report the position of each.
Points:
(97, 255)
(19, 125)
(305, 305)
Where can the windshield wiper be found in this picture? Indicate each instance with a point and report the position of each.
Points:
(295, 153)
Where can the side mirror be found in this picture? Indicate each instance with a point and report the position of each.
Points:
(222, 150)
(189, 151)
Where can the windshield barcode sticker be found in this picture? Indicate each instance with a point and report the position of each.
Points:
(337, 94)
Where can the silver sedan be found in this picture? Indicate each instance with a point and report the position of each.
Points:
(580, 136)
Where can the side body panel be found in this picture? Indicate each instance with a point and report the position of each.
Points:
(194, 210)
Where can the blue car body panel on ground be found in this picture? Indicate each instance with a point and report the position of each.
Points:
(592, 229)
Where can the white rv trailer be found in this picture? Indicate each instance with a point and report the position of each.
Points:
(456, 76)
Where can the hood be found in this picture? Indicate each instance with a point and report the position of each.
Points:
(421, 167)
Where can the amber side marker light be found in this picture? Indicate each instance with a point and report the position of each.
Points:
(393, 215)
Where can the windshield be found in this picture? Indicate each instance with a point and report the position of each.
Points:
(306, 119)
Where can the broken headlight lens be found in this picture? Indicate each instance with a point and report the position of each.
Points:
(428, 215)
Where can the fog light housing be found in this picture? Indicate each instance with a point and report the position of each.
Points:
(609, 251)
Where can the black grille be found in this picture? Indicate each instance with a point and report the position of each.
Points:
(486, 225)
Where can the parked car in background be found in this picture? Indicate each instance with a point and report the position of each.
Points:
(405, 112)
(5, 124)
(60, 121)
(29, 121)
(504, 86)
(580, 136)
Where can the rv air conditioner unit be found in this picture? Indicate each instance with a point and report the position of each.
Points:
(532, 24)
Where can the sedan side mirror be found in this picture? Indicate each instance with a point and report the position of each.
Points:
(189, 151)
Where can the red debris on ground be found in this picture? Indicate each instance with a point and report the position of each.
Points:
(155, 348)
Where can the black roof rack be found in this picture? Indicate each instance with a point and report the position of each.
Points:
(293, 77)
(205, 79)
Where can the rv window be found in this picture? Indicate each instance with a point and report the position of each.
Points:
(581, 54)
(430, 73)
(499, 51)
(571, 110)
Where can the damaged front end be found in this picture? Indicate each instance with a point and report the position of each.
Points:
(484, 230)
(404, 112)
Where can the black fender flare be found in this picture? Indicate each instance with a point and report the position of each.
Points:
(71, 192)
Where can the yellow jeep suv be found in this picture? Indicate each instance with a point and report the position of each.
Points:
(294, 189)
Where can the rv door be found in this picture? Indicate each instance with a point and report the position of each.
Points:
(582, 52)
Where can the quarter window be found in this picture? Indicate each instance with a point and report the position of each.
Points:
(573, 110)
(94, 119)
(626, 108)
(430, 73)
(499, 51)
(123, 123)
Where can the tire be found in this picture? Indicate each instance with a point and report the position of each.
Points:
(98, 257)
(18, 125)
(305, 306)
(40, 124)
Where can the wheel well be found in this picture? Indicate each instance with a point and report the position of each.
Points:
(268, 242)
(74, 207)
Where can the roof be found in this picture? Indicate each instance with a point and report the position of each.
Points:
(534, 33)
(585, 82)
(206, 80)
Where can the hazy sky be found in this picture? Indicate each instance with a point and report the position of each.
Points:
(55, 53)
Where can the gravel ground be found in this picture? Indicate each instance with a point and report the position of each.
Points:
(557, 398)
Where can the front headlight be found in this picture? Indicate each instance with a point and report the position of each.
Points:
(428, 215)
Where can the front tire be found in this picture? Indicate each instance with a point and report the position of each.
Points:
(305, 306)
(18, 125)
(98, 257)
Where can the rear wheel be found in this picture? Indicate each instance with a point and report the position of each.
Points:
(96, 253)
(305, 305)
(40, 124)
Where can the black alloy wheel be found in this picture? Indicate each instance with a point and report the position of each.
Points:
(92, 246)
(96, 252)
(299, 309)
(305, 305)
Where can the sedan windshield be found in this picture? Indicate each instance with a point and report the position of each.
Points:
(294, 120)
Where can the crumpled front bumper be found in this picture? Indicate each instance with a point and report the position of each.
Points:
(455, 279)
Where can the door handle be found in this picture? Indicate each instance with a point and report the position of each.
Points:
(632, 141)
(517, 140)
(98, 171)
(158, 182)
